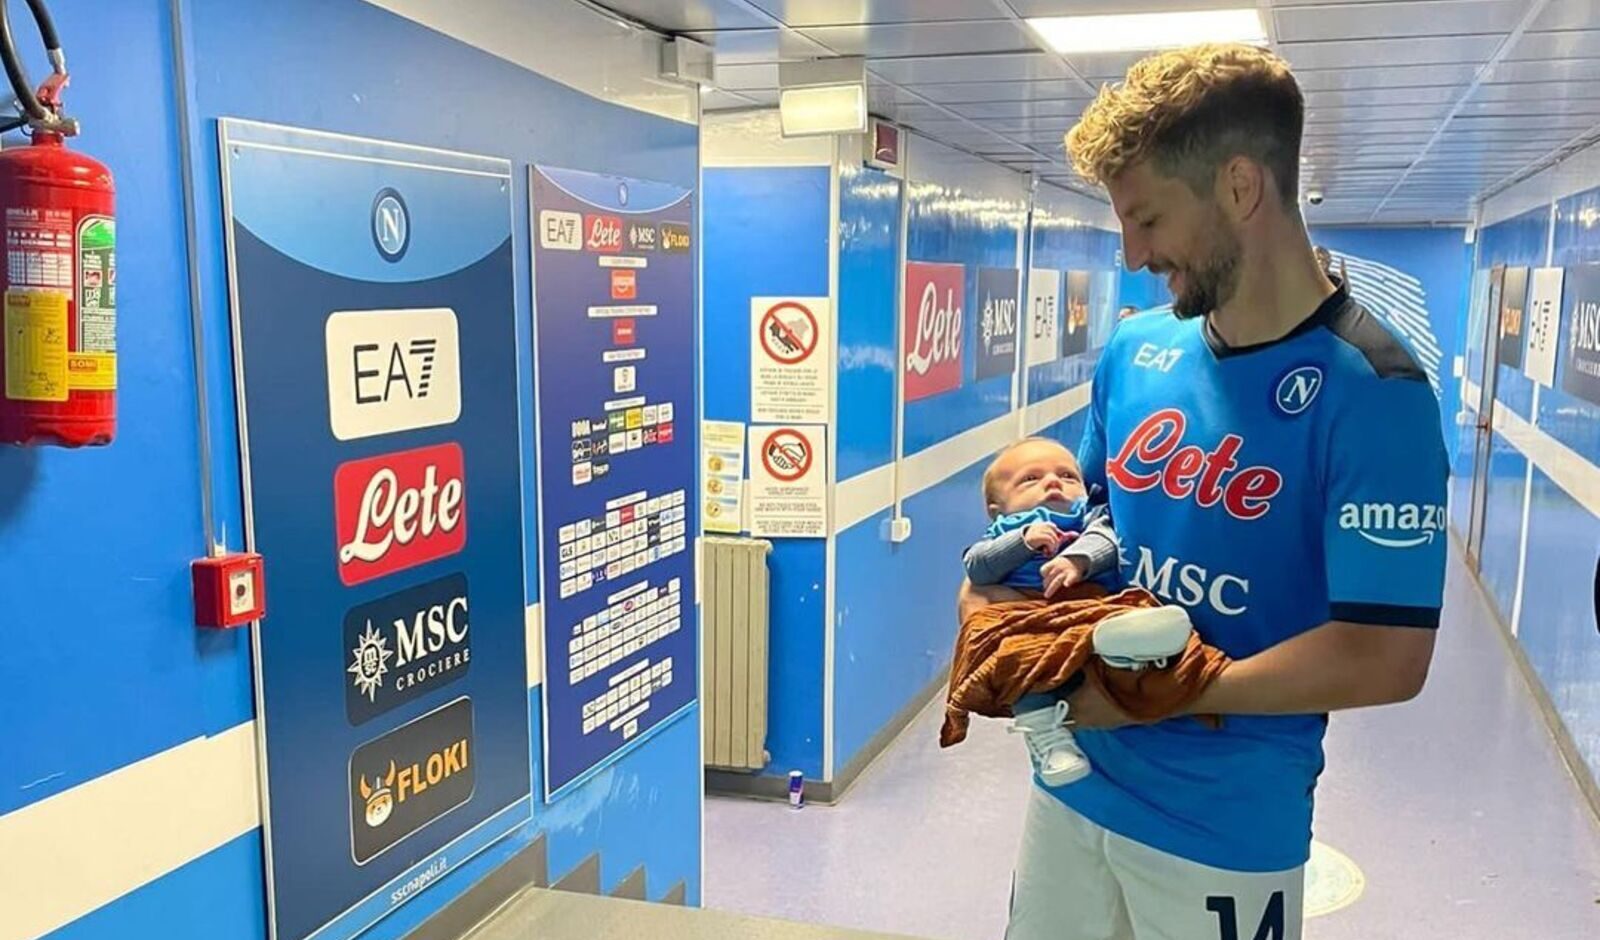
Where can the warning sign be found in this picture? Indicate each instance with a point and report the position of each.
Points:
(788, 482)
(791, 357)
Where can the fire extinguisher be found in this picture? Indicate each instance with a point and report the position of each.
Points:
(58, 285)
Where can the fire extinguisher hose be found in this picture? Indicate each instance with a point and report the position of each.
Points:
(32, 109)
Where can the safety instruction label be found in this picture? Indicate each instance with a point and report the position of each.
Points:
(36, 346)
(38, 247)
(788, 482)
(97, 286)
(789, 377)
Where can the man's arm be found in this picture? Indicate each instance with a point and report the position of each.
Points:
(1338, 665)
(972, 598)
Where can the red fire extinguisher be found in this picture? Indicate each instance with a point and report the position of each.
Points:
(58, 285)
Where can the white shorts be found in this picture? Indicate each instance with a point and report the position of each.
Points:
(1077, 881)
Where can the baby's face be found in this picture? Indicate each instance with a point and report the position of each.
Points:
(1038, 473)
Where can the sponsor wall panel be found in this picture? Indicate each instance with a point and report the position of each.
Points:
(997, 322)
(619, 467)
(1513, 321)
(933, 320)
(375, 351)
(1580, 351)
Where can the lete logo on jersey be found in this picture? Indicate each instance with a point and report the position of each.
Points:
(1405, 525)
(1151, 457)
(396, 511)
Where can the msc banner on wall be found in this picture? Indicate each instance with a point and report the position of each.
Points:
(997, 322)
(376, 335)
(1581, 371)
(615, 333)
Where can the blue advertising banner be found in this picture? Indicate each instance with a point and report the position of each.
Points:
(375, 337)
(997, 322)
(1580, 373)
(615, 335)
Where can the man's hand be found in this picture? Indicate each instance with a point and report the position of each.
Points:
(1090, 708)
(975, 597)
(1062, 572)
(1043, 537)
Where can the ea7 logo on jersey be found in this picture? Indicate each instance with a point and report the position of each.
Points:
(1151, 457)
(1297, 389)
(1406, 525)
(1151, 356)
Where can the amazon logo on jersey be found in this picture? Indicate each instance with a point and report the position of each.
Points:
(1391, 525)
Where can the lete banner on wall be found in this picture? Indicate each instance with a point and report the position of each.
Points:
(932, 325)
(997, 322)
(385, 491)
(1044, 316)
(1581, 372)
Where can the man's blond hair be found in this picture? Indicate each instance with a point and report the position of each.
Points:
(1190, 110)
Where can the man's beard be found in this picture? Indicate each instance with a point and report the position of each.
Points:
(1209, 286)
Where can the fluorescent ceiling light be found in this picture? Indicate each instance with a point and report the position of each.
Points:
(823, 109)
(1131, 32)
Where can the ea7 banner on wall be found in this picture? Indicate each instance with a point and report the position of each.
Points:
(934, 297)
(1044, 316)
(1581, 371)
(997, 322)
(1513, 304)
(378, 345)
(1544, 325)
(617, 393)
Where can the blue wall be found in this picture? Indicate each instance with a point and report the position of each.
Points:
(118, 673)
(766, 234)
(1556, 625)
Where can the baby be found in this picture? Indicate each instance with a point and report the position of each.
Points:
(1045, 538)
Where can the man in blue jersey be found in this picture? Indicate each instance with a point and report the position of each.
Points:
(1273, 461)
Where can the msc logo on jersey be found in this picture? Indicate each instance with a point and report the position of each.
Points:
(391, 225)
(1405, 525)
(1297, 389)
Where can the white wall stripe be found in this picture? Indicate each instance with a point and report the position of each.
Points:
(73, 853)
(1565, 467)
(70, 854)
(866, 494)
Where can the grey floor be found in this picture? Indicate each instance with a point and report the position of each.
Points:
(1457, 809)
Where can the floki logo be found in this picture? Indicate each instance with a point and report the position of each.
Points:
(1151, 456)
(379, 797)
(1404, 525)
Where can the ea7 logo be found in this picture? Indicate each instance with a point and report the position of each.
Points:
(1297, 389)
(1151, 356)
(391, 370)
(1406, 525)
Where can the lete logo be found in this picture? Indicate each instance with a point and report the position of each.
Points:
(1406, 525)
(397, 511)
(1151, 456)
(933, 320)
(602, 233)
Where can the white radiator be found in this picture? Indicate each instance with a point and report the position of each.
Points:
(734, 638)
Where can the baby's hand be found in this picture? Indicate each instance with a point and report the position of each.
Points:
(1062, 572)
(1042, 537)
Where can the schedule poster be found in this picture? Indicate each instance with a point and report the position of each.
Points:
(614, 324)
(375, 325)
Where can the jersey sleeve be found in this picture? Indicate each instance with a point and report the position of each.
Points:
(1384, 532)
(1092, 450)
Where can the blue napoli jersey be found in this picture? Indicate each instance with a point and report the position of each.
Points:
(1267, 489)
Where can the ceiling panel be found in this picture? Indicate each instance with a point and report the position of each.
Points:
(1383, 97)
(1358, 74)
(683, 15)
(1047, 108)
(1390, 52)
(850, 12)
(1537, 91)
(1082, 7)
(978, 68)
(925, 39)
(744, 46)
(1535, 107)
(739, 77)
(1566, 14)
(1337, 21)
(1567, 44)
(970, 92)
(1391, 111)
(1554, 70)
